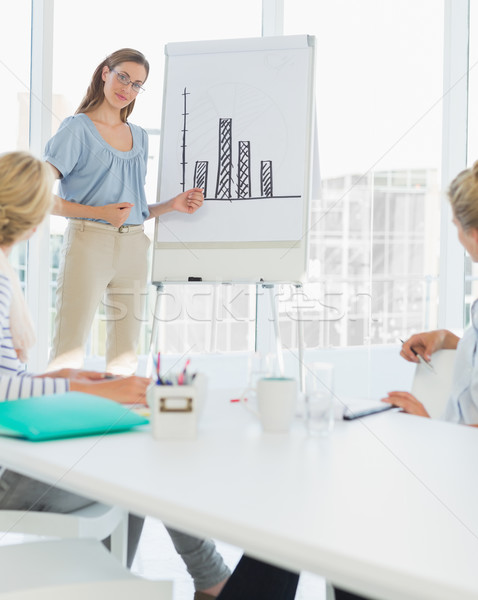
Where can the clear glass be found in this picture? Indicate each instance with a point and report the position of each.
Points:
(319, 398)
(374, 236)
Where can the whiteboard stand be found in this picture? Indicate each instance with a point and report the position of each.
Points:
(270, 287)
(154, 329)
(265, 347)
(156, 316)
(215, 306)
(300, 341)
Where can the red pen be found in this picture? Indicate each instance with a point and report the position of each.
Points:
(182, 376)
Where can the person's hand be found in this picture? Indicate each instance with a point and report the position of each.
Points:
(115, 214)
(188, 201)
(77, 374)
(407, 403)
(425, 344)
(125, 390)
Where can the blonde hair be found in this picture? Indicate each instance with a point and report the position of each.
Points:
(95, 95)
(463, 196)
(25, 194)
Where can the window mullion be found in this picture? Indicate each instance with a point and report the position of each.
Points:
(454, 159)
(38, 262)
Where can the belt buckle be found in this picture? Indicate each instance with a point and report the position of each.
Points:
(123, 229)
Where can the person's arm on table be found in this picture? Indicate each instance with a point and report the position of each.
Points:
(125, 390)
(425, 344)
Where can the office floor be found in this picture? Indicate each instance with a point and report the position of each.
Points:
(157, 559)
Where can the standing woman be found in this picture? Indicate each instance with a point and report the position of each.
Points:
(101, 159)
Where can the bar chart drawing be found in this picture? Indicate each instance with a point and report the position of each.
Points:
(237, 177)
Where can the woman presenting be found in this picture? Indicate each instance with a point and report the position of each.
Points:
(101, 159)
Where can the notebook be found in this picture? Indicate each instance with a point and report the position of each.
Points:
(356, 408)
(65, 415)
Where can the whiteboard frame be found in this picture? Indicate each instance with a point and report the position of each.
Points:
(241, 262)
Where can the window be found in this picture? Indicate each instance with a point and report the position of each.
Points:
(375, 243)
(471, 270)
(15, 74)
(375, 247)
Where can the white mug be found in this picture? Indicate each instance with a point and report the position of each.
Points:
(276, 403)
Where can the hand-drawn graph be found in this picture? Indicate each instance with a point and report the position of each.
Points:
(237, 124)
(226, 186)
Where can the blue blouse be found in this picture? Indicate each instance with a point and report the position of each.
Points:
(93, 172)
(462, 406)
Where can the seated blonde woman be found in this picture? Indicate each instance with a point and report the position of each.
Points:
(462, 406)
(25, 200)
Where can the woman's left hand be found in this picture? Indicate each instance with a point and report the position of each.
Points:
(188, 201)
(407, 403)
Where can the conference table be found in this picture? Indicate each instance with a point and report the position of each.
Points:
(386, 505)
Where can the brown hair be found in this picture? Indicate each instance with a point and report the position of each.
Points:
(25, 194)
(94, 94)
(463, 196)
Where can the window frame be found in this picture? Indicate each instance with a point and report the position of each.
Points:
(454, 159)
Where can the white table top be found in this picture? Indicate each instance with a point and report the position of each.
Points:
(387, 505)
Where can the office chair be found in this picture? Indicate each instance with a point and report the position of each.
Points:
(97, 521)
(74, 569)
(433, 388)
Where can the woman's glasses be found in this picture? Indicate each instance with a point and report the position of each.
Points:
(125, 80)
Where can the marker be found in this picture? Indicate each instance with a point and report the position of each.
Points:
(182, 376)
(158, 370)
(422, 360)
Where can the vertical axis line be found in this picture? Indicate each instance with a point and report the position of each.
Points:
(183, 145)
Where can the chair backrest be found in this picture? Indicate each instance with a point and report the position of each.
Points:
(97, 521)
(98, 590)
(73, 569)
(433, 388)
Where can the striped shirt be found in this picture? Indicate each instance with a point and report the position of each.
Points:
(14, 381)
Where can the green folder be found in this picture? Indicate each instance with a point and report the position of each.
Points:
(65, 415)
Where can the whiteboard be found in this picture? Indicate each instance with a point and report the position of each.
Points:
(237, 121)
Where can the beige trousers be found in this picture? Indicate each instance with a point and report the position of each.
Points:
(100, 263)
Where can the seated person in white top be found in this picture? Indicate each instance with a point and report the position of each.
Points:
(25, 199)
(462, 406)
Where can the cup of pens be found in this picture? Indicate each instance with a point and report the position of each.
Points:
(176, 401)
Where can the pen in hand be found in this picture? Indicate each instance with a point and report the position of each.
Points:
(421, 359)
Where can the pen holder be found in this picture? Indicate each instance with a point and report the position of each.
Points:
(175, 409)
